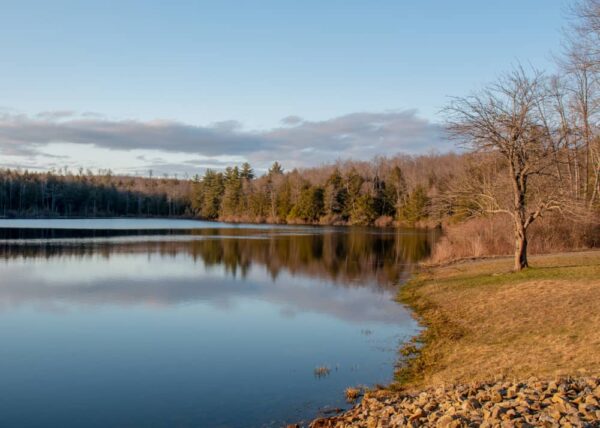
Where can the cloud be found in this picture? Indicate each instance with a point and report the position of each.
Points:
(55, 115)
(24, 133)
(297, 142)
(356, 136)
(291, 120)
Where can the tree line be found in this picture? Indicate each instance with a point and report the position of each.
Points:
(354, 193)
(384, 191)
(85, 194)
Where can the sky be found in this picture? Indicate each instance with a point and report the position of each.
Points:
(181, 86)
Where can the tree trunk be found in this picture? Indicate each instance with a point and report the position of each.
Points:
(520, 217)
(521, 248)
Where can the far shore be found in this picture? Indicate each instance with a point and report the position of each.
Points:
(425, 225)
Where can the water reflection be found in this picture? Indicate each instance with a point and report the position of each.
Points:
(348, 257)
(298, 272)
(212, 327)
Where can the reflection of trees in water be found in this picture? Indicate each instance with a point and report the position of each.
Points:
(345, 256)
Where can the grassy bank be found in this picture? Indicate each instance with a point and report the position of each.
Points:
(484, 322)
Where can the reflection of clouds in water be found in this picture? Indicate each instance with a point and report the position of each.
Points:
(349, 274)
(52, 285)
(352, 304)
(97, 267)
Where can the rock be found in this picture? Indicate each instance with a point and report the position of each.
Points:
(419, 413)
(562, 402)
(431, 406)
(497, 411)
(496, 397)
(591, 400)
(471, 404)
(444, 421)
(371, 422)
(510, 414)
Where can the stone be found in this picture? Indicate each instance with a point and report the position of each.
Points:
(497, 411)
(371, 422)
(431, 406)
(496, 397)
(444, 421)
(591, 400)
(419, 413)
(562, 402)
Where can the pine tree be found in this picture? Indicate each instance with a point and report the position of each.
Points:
(353, 182)
(364, 212)
(247, 173)
(282, 199)
(335, 195)
(309, 207)
(210, 193)
(416, 207)
(401, 189)
(232, 192)
(276, 169)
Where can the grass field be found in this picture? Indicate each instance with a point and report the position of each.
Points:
(484, 322)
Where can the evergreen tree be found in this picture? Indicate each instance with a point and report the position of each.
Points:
(276, 169)
(309, 207)
(416, 207)
(354, 182)
(335, 195)
(232, 192)
(383, 200)
(400, 188)
(258, 203)
(247, 173)
(283, 200)
(210, 193)
(364, 212)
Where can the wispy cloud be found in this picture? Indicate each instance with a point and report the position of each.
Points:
(297, 142)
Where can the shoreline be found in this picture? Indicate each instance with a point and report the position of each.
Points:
(425, 226)
(484, 356)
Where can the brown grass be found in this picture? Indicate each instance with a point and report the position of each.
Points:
(493, 236)
(352, 394)
(484, 322)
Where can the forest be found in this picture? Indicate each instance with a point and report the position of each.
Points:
(526, 173)
(383, 192)
(85, 194)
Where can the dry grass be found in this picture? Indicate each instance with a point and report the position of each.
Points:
(484, 322)
(352, 394)
(492, 236)
(321, 371)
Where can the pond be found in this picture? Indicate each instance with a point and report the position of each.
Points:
(188, 323)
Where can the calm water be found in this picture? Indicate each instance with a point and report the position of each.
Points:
(107, 323)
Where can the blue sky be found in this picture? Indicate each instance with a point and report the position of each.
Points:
(235, 69)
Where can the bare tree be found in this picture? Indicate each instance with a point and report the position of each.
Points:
(505, 121)
(581, 62)
(587, 27)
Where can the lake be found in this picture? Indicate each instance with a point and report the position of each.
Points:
(160, 323)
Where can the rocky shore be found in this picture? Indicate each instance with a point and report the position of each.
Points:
(564, 402)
